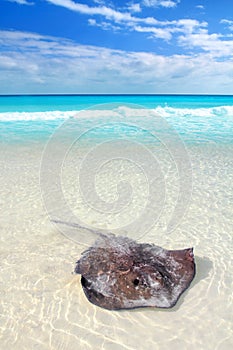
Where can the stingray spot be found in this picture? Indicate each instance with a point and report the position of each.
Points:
(136, 282)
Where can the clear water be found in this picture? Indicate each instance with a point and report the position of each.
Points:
(114, 166)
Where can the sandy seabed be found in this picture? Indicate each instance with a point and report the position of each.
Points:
(42, 305)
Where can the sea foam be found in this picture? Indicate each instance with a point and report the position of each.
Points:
(124, 111)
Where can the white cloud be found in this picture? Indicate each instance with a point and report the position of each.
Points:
(162, 3)
(116, 20)
(134, 7)
(212, 43)
(103, 25)
(33, 63)
(228, 23)
(92, 22)
(187, 33)
(200, 7)
(22, 2)
(99, 2)
(104, 11)
(191, 25)
(109, 13)
(167, 29)
(164, 30)
(161, 33)
(7, 62)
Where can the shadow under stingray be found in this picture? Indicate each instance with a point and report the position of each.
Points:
(203, 267)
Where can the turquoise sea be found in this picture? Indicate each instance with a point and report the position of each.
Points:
(197, 118)
(155, 168)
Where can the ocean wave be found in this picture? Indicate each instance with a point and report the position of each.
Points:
(34, 116)
(123, 111)
(198, 112)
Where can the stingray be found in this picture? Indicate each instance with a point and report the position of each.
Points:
(119, 273)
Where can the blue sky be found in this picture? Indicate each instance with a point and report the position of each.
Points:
(99, 46)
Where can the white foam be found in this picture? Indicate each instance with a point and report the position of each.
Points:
(33, 116)
(122, 111)
(198, 112)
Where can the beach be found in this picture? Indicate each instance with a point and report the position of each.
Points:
(42, 302)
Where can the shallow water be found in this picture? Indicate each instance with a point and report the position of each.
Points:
(42, 305)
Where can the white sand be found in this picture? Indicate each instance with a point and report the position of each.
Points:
(42, 305)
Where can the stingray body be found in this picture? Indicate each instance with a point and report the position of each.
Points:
(119, 273)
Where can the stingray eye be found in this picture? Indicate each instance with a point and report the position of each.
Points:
(136, 282)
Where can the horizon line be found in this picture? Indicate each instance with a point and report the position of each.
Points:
(112, 94)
